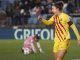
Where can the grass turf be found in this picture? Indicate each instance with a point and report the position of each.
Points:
(11, 50)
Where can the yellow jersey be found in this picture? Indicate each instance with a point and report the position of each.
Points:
(61, 26)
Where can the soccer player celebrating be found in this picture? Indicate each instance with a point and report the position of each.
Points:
(62, 22)
(31, 45)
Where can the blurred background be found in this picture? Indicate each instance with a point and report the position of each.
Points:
(18, 20)
(23, 13)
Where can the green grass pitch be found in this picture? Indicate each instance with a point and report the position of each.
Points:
(11, 50)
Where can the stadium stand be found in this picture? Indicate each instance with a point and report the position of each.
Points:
(25, 12)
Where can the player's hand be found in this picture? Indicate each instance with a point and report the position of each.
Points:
(39, 17)
(41, 51)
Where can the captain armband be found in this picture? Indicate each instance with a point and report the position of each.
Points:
(70, 23)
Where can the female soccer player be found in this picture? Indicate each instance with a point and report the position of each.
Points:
(62, 22)
(31, 45)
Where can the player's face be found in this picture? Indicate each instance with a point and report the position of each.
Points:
(54, 10)
(36, 39)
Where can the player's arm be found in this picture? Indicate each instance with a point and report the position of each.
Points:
(33, 48)
(74, 28)
(39, 47)
(46, 22)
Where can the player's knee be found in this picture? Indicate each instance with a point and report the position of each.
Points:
(59, 58)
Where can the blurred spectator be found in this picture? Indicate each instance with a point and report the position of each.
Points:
(0, 3)
(77, 5)
(49, 6)
(36, 11)
(11, 1)
(70, 7)
(65, 7)
(65, 1)
(25, 4)
(43, 2)
(24, 7)
(16, 16)
(24, 11)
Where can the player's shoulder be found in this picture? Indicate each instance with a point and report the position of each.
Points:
(31, 36)
(65, 15)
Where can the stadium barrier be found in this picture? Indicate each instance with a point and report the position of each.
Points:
(20, 34)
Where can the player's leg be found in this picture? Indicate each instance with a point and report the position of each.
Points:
(55, 50)
(61, 54)
(22, 50)
(62, 50)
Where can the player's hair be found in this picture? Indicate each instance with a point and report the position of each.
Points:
(59, 5)
(37, 36)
